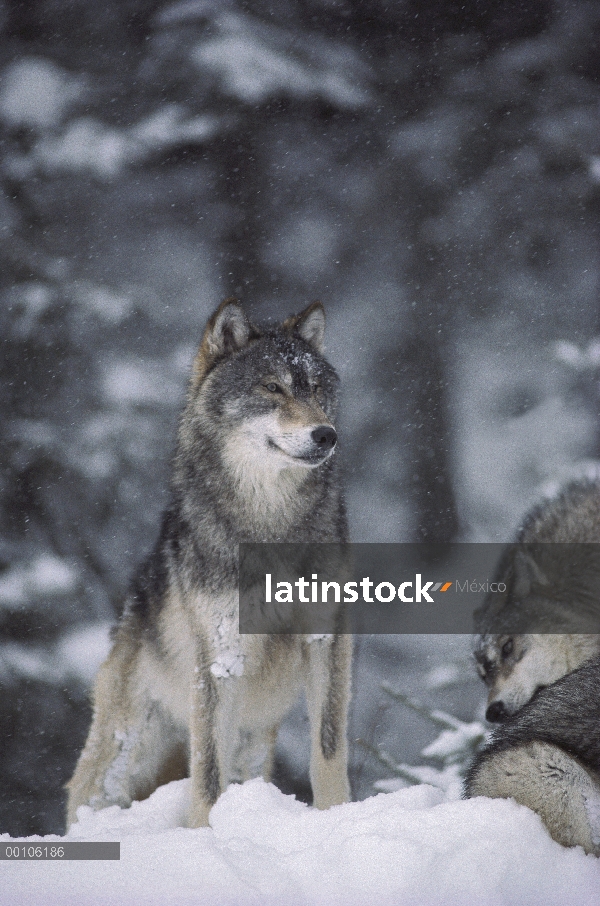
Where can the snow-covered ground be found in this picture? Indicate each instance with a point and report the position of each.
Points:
(413, 846)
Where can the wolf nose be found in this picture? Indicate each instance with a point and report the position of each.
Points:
(496, 713)
(325, 437)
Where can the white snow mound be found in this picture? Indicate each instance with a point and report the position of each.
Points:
(410, 847)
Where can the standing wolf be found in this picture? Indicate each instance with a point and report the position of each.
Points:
(545, 688)
(182, 691)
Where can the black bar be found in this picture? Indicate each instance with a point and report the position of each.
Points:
(57, 851)
(314, 589)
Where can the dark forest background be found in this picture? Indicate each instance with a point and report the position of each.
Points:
(429, 170)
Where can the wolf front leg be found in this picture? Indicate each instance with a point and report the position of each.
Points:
(328, 699)
(206, 746)
(544, 778)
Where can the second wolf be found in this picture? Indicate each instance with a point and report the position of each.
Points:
(182, 691)
(545, 687)
(547, 757)
(552, 579)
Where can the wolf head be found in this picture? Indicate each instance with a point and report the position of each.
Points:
(552, 581)
(515, 667)
(266, 395)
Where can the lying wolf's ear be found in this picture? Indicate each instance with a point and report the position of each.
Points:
(527, 574)
(227, 331)
(310, 325)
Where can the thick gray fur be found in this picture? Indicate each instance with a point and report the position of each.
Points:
(547, 757)
(544, 686)
(182, 691)
(565, 714)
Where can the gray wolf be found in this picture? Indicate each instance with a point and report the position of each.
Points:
(543, 577)
(547, 757)
(544, 687)
(182, 692)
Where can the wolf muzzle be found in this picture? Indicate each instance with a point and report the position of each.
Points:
(496, 713)
(325, 437)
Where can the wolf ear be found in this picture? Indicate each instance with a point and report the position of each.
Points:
(310, 325)
(527, 573)
(227, 331)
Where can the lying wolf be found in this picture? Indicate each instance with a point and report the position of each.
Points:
(182, 691)
(544, 687)
(547, 572)
(547, 757)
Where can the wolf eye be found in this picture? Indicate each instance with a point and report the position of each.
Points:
(507, 648)
(272, 387)
(315, 388)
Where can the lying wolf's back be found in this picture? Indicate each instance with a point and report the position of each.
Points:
(572, 517)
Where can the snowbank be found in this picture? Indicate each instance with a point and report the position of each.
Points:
(408, 847)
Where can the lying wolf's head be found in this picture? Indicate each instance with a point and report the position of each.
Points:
(551, 577)
(265, 395)
(515, 667)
